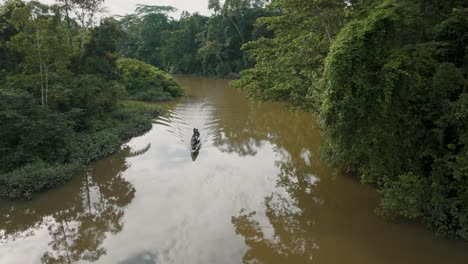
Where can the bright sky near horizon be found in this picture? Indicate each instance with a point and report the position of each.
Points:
(122, 7)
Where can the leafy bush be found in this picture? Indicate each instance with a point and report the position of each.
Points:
(28, 131)
(87, 147)
(35, 177)
(87, 99)
(145, 82)
(135, 118)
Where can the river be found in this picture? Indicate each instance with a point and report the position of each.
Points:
(256, 192)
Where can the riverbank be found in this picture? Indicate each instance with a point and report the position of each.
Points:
(131, 119)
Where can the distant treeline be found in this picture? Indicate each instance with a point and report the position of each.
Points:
(194, 44)
(62, 82)
(388, 79)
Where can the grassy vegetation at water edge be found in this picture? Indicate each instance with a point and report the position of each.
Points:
(131, 119)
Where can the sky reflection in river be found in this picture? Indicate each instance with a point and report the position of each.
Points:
(257, 193)
(68, 224)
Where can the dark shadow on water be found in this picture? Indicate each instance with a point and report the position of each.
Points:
(139, 152)
(194, 155)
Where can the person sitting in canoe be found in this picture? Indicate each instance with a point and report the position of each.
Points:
(195, 142)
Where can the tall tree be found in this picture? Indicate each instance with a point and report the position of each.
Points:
(85, 12)
(41, 40)
(290, 64)
(66, 6)
(214, 5)
(9, 58)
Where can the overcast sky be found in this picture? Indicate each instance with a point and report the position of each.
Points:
(122, 7)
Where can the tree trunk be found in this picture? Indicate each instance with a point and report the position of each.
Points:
(65, 237)
(42, 86)
(41, 67)
(67, 7)
(244, 60)
(46, 73)
(325, 25)
(88, 195)
(82, 35)
(237, 28)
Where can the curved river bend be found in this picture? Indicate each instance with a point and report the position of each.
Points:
(256, 193)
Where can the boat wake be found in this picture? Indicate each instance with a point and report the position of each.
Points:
(181, 120)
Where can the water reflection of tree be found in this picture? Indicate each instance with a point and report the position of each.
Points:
(245, 124)
(79, 216)
(291, 220)
(291, 211)
(239, 132)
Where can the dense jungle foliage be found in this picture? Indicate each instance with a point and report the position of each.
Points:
(61, 91)
(395, 108)
(389, 81)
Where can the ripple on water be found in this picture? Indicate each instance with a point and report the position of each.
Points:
(182, 119)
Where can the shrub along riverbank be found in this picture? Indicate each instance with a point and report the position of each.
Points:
(79, 149)
(146, 82)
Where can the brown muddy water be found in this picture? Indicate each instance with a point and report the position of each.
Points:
(256, 193)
